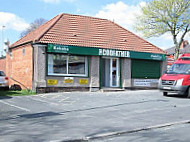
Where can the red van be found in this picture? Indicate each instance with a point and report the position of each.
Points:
(177, 78)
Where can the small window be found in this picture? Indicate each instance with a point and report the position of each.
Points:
(64, 65)
(23, 51)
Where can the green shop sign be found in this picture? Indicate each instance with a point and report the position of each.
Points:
(149, 56)
(78, 50)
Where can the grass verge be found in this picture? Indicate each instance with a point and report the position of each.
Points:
(16, 93)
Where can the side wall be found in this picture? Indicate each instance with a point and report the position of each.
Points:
(3, 64)
(39, 66)
(94, 73)
(164, 66)
(19, 66)
(126, 73)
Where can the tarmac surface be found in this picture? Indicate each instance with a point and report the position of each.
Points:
(143, 115)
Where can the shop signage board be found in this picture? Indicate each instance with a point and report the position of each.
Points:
(79, 50)
(68, 80)
(51, 82)
(149, 56)
(113, 53)
(83, 81)
(144, 82)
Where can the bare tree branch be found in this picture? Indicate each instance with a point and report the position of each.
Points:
(34, 25)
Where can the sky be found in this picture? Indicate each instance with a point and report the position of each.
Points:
(16, 15)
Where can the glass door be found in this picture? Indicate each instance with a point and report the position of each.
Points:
(110, 72)
(114, 72)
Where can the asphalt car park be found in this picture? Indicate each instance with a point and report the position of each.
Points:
(98, 116)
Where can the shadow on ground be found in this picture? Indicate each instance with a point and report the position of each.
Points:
(177, 96)
(6, 94)
(5, 97)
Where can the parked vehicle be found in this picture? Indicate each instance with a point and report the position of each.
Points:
(177, 79)
(4, 81)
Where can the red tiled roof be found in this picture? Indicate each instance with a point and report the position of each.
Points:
(76, 30)
(35, 35)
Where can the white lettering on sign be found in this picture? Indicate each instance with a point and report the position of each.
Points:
(110, 52)
(156, 57)
(61, 48)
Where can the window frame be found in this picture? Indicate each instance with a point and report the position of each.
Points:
(67, 66)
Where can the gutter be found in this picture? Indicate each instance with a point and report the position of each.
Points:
(12, 47)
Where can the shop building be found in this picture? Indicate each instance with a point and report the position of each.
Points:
(73, 52)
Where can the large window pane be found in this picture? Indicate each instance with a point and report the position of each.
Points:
(50, 64)
(57, 64)
(65, 65)
(76, 65)
(60, 64)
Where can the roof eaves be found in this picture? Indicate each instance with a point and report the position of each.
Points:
(11, 47)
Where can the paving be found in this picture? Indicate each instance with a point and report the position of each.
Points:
(87, 116)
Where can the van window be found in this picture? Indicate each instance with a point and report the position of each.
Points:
(179, 69)
(185, 58)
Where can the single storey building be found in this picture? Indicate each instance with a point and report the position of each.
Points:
(73, 52)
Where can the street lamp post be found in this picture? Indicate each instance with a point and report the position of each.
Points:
(2, 40)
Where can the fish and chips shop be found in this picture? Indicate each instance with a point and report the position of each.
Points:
(74, 52)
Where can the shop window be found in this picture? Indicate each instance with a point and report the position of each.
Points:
(76, 65)
(64, 65)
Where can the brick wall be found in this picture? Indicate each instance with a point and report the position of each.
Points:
(20, 67)
(3, 64)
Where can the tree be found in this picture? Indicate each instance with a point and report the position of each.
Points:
(34, 25)
(163, 16)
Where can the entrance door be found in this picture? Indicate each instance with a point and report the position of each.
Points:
(110, 72)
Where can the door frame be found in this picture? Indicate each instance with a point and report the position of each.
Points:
(118, 72)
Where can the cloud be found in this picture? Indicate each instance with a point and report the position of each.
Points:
(125, 15)
(121, 13)
(12, 21)
(57, 1)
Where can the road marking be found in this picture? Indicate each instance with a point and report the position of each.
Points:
(15, 106)
(48, 102)
(64, 99)
(43, 95)
(56, 96)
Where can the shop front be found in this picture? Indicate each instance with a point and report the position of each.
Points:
(87, 68)
(74, 52)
